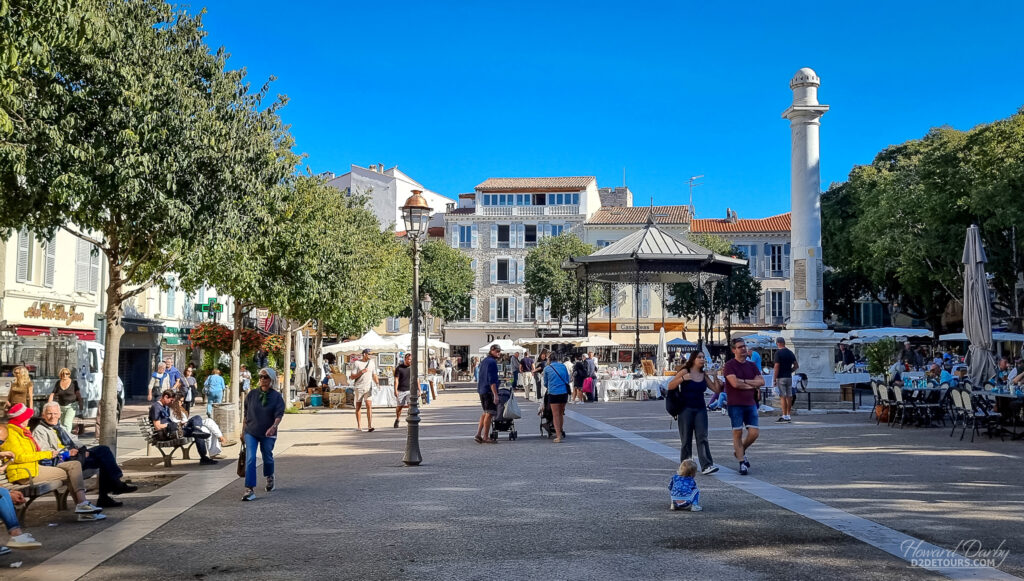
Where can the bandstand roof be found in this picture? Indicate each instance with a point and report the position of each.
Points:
(651, 255)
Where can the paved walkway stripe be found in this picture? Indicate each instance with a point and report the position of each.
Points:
(182, 494)
(891, 541)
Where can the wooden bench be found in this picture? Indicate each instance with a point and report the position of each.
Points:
(36, 488)
(149, 433)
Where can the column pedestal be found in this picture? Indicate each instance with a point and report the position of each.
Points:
(815, 353)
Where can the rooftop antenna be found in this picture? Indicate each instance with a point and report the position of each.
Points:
(693, 184)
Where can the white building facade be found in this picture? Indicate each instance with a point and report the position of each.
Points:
(388, 189)
(497, 225)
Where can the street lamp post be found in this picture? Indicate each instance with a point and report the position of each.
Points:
(425, 304)
(416, 214)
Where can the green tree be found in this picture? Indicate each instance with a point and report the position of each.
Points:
(737, 294)
(546, 280)
(29, 31)
(126, 148)
(445, 275)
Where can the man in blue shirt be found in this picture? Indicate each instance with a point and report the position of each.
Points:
(487, 388)
(174, 375)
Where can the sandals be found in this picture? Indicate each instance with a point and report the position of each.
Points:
(478, 439)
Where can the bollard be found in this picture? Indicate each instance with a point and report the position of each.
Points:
(226, 416)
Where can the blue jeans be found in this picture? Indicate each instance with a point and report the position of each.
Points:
(212, 398)
(266, 448)
(7, 512)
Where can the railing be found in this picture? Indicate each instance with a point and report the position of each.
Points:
(571, 210)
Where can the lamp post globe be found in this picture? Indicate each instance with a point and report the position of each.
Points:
(416, 215)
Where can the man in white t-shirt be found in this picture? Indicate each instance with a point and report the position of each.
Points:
(364, 378)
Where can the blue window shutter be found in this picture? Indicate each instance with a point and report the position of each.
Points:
(492, 313)
(494, 271)
(475, 242)
(494, 235)
(785, 261)
(521, 270)
(472, 308)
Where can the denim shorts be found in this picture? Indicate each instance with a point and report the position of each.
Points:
(743, 415)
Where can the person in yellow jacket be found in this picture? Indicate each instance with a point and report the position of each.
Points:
(24, 455)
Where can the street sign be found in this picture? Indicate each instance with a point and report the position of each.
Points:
(262, 313)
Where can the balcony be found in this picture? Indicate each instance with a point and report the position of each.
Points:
(572, 210)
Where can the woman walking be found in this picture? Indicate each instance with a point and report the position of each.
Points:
(556, 378)
(21, 388)
(188, 389)
(692, 382)
(264, 408)
(538, 372)
(68, 397)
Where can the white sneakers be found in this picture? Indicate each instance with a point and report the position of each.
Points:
(87, 508)
(24, 541)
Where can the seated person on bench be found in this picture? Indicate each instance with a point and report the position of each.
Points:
(51, 435)
(19, 538)
(24, 465)
(199, 427)
(165, 428)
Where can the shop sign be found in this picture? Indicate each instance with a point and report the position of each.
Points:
(54, 312)
(632, 326)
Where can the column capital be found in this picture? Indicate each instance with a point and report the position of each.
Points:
(804, 112)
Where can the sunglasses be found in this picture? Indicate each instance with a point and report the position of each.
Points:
(264, 376)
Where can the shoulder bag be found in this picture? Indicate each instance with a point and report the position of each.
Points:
(511, 411)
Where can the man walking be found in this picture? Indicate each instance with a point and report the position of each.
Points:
(526, 374)
(513, 363)
(742, 380)
(785, 365)
(402, 383)
(214, 388)
(487, 388)
(364, 377)
(173, 375)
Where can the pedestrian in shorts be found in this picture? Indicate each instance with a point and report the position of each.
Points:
(742, 380)
(364, 377)
(402, 383)
(785, 365)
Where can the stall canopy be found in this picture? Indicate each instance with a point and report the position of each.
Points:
(371, 340)
(996, 336)
(506, 345)
(883, 332)
(404, 342)
(597, 341)
(679, 343)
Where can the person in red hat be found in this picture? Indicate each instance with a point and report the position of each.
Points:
(25, 463)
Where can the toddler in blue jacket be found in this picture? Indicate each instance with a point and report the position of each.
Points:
(685, 495)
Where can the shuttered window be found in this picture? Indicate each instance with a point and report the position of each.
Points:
(82, 251)
(24, 270)
(49, 262)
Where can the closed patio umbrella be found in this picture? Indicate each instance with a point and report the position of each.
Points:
(981, 365)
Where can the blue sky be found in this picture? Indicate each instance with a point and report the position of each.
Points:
(456, 92)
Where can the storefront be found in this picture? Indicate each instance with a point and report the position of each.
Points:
(29, 318)
(140, 347)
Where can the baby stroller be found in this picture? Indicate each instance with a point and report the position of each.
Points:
(500, 424)
(547, 421)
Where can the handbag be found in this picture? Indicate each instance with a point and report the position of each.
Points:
(511, 411)
(240, 470)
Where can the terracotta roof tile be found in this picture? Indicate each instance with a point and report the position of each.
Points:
(638, 215)
(462, 211)
(574, 183)
(779, 223)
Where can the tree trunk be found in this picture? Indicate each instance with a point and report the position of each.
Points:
(236, 352)
(286, 388)
(111, 353)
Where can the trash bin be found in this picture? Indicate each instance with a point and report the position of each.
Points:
(226, 416)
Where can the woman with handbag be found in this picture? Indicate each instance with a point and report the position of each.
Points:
(686, 393)
(264, 409)
(556, 379)
(160, 382)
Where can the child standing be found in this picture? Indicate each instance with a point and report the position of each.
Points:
(685, 495)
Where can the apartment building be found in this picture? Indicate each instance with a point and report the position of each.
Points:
(497, 225)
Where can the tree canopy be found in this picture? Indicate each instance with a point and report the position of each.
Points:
(546, 280)
(894, 231)
(445, 275)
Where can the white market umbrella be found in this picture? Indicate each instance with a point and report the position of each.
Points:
(506, 345)
(597, 341)
(883, 332)
(404, 342)
(981, 364)
(371, 340)
(996, 336)
(662, 351)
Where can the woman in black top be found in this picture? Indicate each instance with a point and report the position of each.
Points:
(692, 382)
(68, 396)
(579, 374)
(538, 371)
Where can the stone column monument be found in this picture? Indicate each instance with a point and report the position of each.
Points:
(808, 336)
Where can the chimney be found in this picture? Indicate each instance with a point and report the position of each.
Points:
(728, 213)
(380, 167)
(373, 167)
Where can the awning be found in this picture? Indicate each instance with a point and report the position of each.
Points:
(34, 331)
